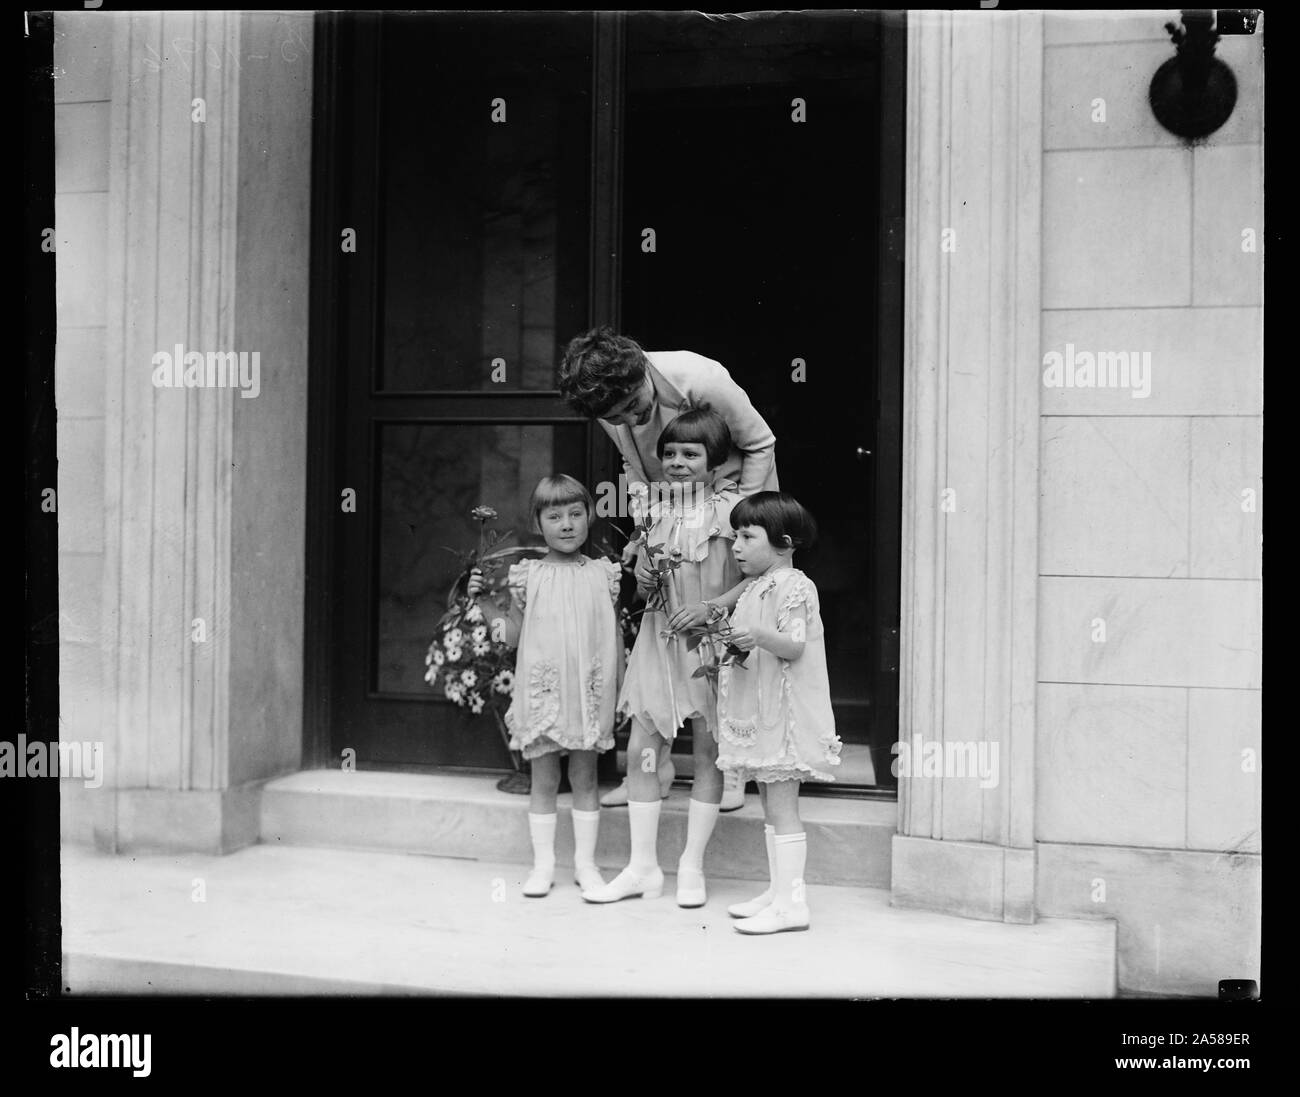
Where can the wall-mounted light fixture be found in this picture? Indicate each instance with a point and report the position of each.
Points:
(1193, 93)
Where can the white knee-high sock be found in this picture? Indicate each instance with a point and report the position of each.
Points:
(791, 854)
(643, 828)
(586, 825)
(699, 827)
(769, 840)
(541, 828)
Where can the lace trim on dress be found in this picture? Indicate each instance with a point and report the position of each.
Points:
(595, 687)
(741, 732)
(700, 525)
(799, 593)
(543, 698)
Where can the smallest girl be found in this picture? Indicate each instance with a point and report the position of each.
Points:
(775, 722)
(567, 674)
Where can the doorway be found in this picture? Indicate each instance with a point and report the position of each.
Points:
(483, 242)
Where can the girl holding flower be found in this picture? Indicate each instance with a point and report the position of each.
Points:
(566, 675)
(685, 561)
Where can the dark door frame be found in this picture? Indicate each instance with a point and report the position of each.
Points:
(326, 337)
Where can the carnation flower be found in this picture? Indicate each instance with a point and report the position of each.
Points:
(638, 499)
(482, 514)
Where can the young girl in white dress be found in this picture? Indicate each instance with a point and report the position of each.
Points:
(567, 672)
(775, 723)
(689, 516)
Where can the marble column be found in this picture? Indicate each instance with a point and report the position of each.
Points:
(970, 477)
(208, 228)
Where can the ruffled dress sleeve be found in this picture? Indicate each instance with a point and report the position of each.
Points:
(614, 577)
(517, 581)
(799, 605)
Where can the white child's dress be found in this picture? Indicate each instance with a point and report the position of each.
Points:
(774, 715)
(659, 689)
(570, 656)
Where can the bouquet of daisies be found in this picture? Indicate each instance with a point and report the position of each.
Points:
(472, 655)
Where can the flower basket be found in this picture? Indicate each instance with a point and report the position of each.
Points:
(471, 658)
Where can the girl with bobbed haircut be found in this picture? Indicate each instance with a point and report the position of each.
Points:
(780, 515)
(776, 723)
(558, 491)
(700, 425)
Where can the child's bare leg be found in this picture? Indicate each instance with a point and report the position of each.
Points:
(582, 779)
(781, 806)
(545, 784)
(707, 783)
(643, 747)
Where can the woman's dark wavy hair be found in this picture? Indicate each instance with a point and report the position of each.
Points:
(600, 369)
(778, 513)
(699, 424)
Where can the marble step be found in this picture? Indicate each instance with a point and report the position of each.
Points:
(464, 816)
(274, 919)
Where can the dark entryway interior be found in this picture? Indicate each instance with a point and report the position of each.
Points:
(770, 247)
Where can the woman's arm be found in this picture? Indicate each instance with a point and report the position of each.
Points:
(749, 431)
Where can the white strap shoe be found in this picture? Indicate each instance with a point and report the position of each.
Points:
(690, 888)
(776, 920)
(628, 884)
(588, 878)
(539, 882)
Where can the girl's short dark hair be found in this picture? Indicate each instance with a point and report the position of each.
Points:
(780, 515)
(600, 369)
(558, 491)
(699, 424)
